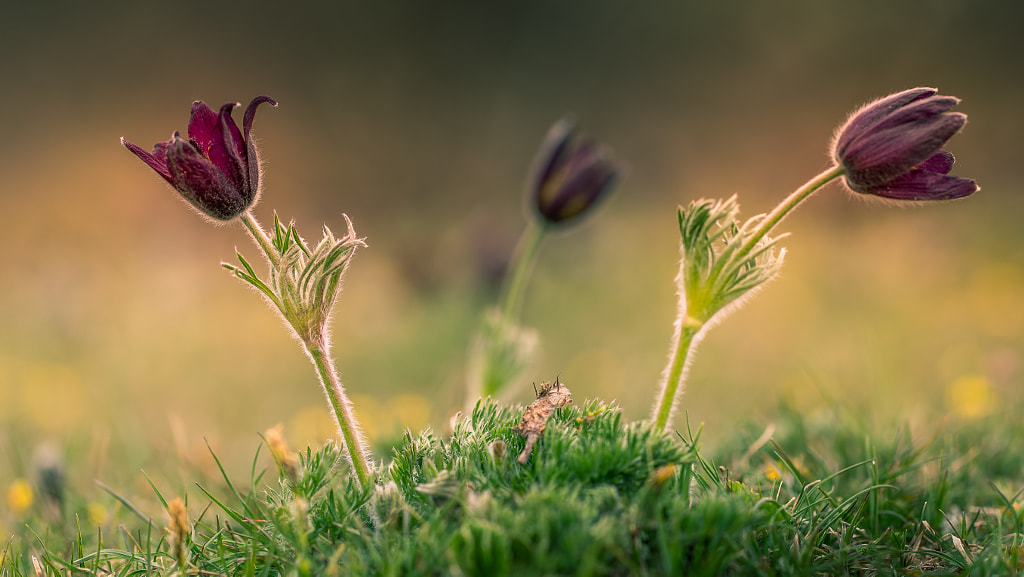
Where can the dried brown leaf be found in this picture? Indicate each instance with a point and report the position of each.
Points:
(550, 396)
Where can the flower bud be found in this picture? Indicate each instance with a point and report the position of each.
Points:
(48, 466)
(892, 147)
(287, 464)
(217, 169)
(566, 179)
(180, 529)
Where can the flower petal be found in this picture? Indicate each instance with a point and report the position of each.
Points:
(874, 111)
(234, 166)
(157, 160)
(925, 185)
(916, 112)
(885, 154)
(250, 113)
(202, 183)
(213, 141)
(229, 132)
(202, 126)
(586, 154)
(252, 158)
(941, 162)
(586, 184)
(550, 157)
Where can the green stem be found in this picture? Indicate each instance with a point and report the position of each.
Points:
(787, 206)
(687, 327)
(686, 331)
(511, 302)
(318, 354)
(261, 238)
(342, 408)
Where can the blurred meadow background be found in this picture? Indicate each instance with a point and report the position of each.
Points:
(125, 344)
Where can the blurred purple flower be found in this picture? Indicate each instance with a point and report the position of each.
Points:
(566, 180)
(217, 169)
(892, 147)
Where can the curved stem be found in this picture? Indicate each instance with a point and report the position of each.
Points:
(342, 407)
(688, 328)
(787, 206)
(511, 302)
(260, 237)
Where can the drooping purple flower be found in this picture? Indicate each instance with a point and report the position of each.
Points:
(892, 147)
(566, 180)
(217, 169)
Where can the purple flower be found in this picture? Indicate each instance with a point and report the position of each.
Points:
(892, 147)
(217, 169)
(566, 180)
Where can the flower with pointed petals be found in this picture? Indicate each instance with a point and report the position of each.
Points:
(567, 180)
(217, 169)
(892, 147)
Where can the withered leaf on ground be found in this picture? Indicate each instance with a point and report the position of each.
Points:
(550, 396)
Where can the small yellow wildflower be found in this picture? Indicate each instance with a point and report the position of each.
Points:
(663, 475)
(971, 397)
(282, 453)
(97, 513)
(773, 471)
(412, 411)
(19, 496)
(179, 528)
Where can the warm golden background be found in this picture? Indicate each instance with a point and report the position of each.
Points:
(123, 340)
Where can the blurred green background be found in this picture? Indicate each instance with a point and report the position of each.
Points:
(122, 338)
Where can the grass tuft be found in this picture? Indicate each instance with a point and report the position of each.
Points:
(597, 497)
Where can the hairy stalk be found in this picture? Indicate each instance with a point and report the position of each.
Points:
(502, 348)
(786, 206)
(342, 408)
(685, 342)
(719, 291)
(314, 341)
(260, 237)
(514, 286)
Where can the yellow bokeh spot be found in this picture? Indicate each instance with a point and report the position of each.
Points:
(53, 396)
(19, 496)
(371, 414)
(597, 369)
(97, 514)
(971, 397)
(378, 420)
(412, 411)
(773, 471)
(993, 298)
(312, 426)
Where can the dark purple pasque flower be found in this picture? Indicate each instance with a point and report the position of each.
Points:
(567, 179)
(217, 169)
(892, 147)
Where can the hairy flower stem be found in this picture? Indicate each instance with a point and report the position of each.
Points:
(318, 351)
(342, 408)
(787, 206)
(686, 331)
(514, 286)
(688, 326)
(501, 348)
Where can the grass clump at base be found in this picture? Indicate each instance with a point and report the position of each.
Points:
(596, 497)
